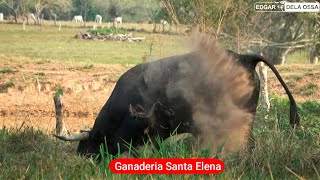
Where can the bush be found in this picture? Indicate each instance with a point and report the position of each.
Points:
(6, 71)
(4, 87)
(107, 31)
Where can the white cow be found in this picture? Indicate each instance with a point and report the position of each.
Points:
(33, 17)
(118, 20)
(1, 16)
(163, 22)
(77, 18)
(98, 19)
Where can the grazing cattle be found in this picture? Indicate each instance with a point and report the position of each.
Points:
(163, 22)
(118, 20)
(1, 16)
(209, 92)
(33, 17)
(98, 19)
(77, 18)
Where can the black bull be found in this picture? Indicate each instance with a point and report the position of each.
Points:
(124, 118)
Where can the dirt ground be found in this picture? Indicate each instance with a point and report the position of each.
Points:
(29, 102)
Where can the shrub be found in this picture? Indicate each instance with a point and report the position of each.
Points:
(107, 31)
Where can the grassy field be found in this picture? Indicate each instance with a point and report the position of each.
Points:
(52, 44)
(278, 153)
(34, 62)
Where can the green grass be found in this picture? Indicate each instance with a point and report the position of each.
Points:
(298, 57)
(51, 44)
(88, 66)
(40, 74)
(6, 71)
(107, 31)
(278, 152)
(296, 77)
(4, 87)
(308, 89)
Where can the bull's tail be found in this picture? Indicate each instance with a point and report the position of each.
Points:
(294, 116)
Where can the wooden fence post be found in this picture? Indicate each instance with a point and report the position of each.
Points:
(60, 129)
(265, 104)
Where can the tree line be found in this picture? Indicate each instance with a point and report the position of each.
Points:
(272, 34)
(234, 22)
(131, 11)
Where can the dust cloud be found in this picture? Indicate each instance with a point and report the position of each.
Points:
(214, 85)
(219, 112)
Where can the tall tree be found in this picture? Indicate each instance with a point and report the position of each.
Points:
(284, 35)
(113, 11)
(14, 7)
(39, 6)
(59, 9)
(85, 7)
(24, 9)
(241, 28)
(82, 7)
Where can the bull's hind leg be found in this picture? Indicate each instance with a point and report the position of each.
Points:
(252, 107)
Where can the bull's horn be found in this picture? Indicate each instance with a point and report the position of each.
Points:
(75, 137)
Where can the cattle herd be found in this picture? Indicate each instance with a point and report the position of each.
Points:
(76, 18)
(79, 18)
(98, 19)
(210, 92)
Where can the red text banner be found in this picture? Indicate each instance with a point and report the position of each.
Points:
(166, 166)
